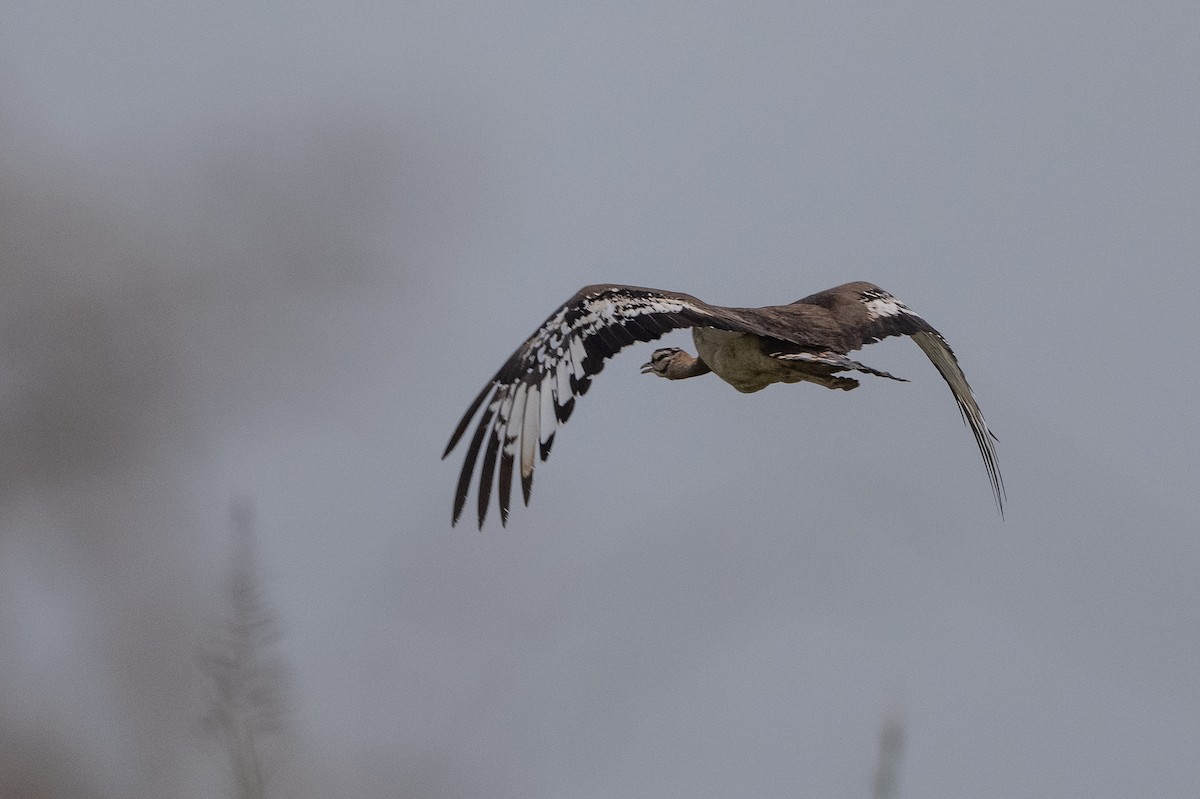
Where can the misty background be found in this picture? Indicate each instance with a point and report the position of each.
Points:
(272, 251)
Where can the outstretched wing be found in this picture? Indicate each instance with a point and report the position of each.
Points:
(938, 351)
(535, 389)
(884, 316)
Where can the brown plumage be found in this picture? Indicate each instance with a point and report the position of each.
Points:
(749, 348)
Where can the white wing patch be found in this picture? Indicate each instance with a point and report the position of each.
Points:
(880, 304)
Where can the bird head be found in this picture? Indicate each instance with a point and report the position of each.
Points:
(660, 361)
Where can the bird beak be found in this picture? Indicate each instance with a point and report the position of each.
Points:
(647, 367)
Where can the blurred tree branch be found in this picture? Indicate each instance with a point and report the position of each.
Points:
(246, 682)
(891, 754)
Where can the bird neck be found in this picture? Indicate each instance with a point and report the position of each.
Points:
(683, 366)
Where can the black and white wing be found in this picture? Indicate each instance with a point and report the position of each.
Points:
(535, 390)
(887, 316)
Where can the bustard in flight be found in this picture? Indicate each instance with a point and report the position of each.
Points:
(749, 348)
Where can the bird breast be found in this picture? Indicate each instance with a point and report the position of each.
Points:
(739, 360)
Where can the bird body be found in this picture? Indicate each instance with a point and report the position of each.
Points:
(739, 360)
(749, 348)
(746, 362)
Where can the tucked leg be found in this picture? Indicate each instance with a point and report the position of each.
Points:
(836, 360)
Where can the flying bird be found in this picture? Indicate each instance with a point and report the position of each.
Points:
(750, 348)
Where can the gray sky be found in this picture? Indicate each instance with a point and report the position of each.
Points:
(273, 251)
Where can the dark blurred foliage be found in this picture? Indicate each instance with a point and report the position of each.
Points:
(37, 766)
(85, 318)
(145, 307)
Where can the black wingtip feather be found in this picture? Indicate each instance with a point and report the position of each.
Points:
(563, 412)
(464, 477)
(580, 387)
(505, 487)
(526, 486)
(487, 474)
(465, 422)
